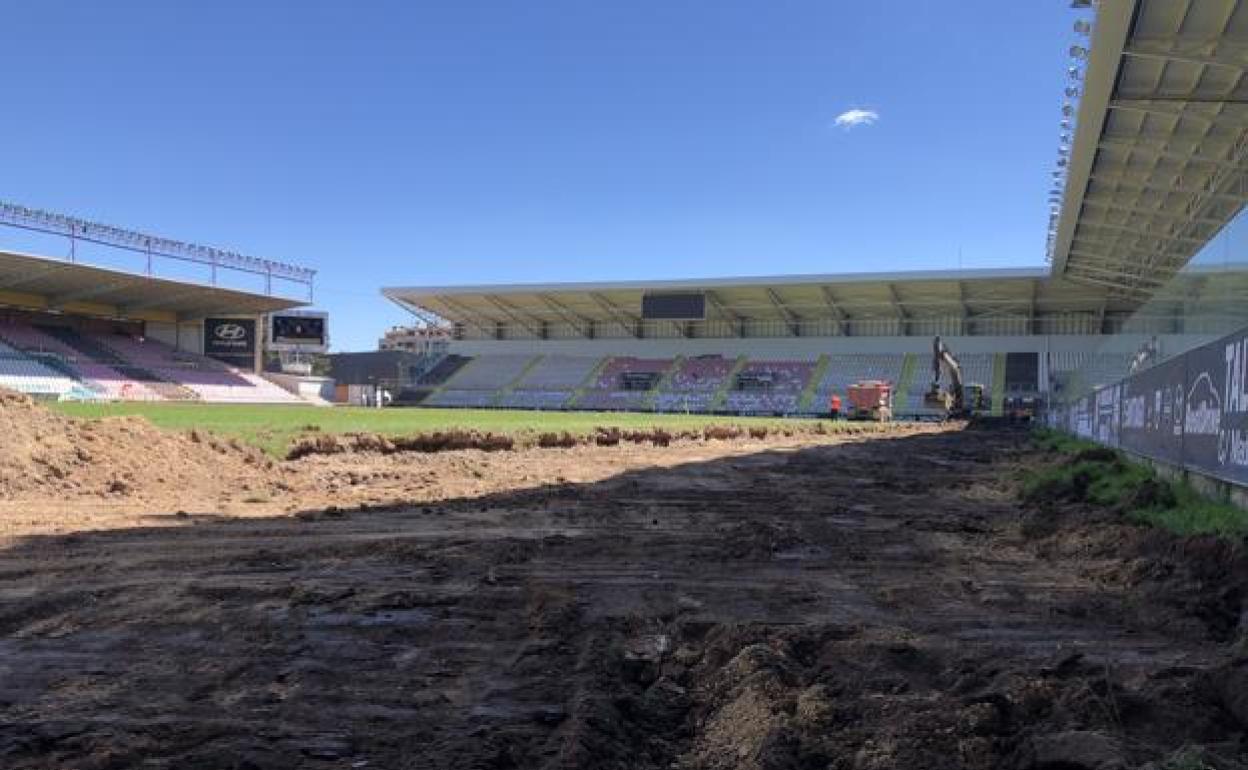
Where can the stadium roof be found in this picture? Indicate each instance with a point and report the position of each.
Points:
(40, 283)
(1157, 162)
(791, 298)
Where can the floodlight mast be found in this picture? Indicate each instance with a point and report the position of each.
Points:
(76, 230)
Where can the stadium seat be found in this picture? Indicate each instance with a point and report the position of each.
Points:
(608, 391)
(694, 384)
(769, 387)
(847, 368)
(120, 367)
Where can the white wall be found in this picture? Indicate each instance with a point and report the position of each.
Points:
(162, 332)
(187, 335)
(191, 337)
(307, 387)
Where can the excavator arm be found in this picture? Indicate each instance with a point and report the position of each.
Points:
(943, 359)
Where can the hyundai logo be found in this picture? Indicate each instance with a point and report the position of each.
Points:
(230, 332)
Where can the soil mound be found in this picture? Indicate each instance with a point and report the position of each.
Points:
(47, 455)
(316, 443)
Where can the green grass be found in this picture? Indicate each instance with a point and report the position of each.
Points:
(1089, 473)
(1055, 441)
(272, 428)
(1195, 514)
(1186, 758)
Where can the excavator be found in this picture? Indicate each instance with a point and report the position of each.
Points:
(959, 399)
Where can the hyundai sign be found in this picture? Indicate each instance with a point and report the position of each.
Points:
(232, 340)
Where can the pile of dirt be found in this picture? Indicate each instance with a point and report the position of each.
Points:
(1193, 585)
(437, 441)
(757, 697)
(46, 455)
(316, 443)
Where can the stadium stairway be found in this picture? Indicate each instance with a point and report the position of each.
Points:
(446, 370)
(905, 382)
(721, 394)
(804, 405)
(998, 384)
(661, 385)
(509, 387)
(89, 348)
(579, 392)
(460, 372)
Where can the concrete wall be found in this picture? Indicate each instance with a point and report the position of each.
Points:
(306, 387)
(191, 337)
(1209, 486)
(162, 332)
(185, 335)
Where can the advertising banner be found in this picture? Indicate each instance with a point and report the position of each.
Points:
(1152, 411)
(1083, 417)
(1105, 418)
(1191, 410)
(232, 340)
(1216, 421)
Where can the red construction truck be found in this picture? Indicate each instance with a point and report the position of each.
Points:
(871, 400)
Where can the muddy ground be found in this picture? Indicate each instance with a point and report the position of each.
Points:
(810, 602)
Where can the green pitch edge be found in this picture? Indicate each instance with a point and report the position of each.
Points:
(816, 377)
(905, 381)
(579, 391)
(648, 403)
(998, 384)
(721, 395)
(506, 389)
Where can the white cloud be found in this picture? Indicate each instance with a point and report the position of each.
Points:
(856, 117)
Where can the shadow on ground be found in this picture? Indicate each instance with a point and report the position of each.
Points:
(867, 605)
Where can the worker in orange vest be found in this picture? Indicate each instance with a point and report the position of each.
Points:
(836, 406)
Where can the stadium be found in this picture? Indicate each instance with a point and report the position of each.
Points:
(645, 523)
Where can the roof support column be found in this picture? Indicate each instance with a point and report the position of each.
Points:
(842, 319)
(626, 320)
(903, 321)
(515, 316)
(791, 319)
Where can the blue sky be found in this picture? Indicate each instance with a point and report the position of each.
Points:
(419, 143)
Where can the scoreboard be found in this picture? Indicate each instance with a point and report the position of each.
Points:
(306, 331)
(673, 306)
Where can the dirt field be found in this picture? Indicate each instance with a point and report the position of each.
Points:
(804, 602)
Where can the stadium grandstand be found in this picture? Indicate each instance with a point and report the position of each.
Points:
(75, 331)
(782, 344)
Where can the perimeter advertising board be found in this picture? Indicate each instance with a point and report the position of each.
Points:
(1152, 422)
(1191, 410)
(1105, 417)
(1216, 417)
